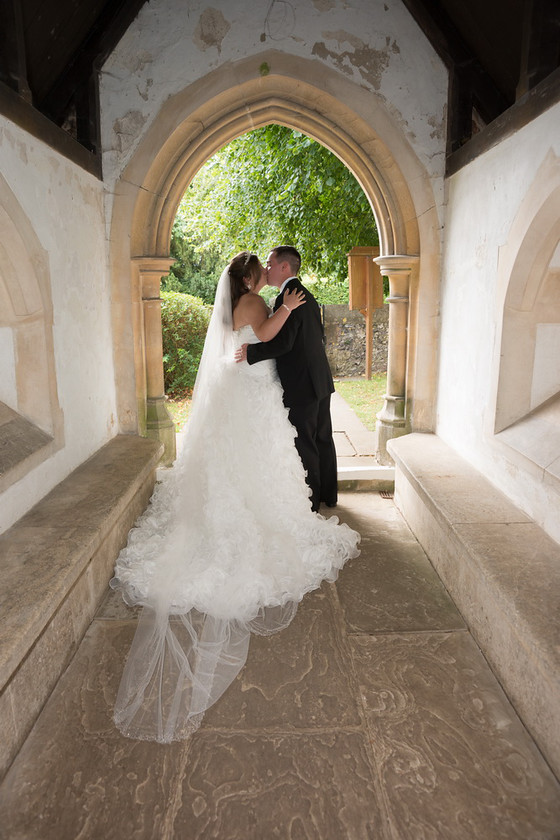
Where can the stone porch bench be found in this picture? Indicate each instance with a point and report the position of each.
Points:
(55, 563)
(501, 569)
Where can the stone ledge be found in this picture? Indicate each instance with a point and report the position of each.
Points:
(55, 564)
(501, 569)
(20, 443)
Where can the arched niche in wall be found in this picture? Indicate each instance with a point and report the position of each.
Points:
(528, 395)
(31, 426)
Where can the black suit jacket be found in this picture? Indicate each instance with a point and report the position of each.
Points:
(299, 351)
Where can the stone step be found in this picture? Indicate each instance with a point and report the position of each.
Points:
(501, 569)
(55, 564)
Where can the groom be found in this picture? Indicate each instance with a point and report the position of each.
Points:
(305, 376)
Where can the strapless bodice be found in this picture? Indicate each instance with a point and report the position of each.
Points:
(245, 335)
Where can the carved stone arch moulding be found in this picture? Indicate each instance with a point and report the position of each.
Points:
(192, 126)
(224, 130)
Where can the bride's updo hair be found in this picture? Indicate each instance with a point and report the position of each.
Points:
(244, 271)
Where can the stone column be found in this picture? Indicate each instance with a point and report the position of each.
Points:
(391, 420)
(159, 424)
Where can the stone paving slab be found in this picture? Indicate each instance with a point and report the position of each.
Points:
(352, 438)
(324, 735)
(343, 446)
(391, 586)
(296, 679)
(453, 758)
(246, 786)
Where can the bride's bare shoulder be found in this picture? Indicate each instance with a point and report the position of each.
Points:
(251, 309)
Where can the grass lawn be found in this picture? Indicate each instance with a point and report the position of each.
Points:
(179, 408)
(365, 396)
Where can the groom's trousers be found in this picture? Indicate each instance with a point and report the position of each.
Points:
(316, 449)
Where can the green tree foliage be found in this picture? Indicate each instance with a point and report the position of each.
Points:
(184, 321)
(271, 186)
(197, 265)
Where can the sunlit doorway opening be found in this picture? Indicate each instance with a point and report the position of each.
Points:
(271, 186)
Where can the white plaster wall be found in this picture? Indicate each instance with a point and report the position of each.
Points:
(65, 207)
(483, 199)
(375, 43)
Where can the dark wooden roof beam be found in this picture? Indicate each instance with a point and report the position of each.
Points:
(76, 80)
(541, 43)
(470, 85)
(13, 70)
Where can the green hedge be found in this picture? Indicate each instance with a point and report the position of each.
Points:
(184, 322)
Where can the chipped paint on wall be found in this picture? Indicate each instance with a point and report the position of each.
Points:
(374, 43)
(126, 129)
(369, 62)
(324, 5)
(211, 30)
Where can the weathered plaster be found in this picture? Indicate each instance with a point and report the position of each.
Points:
(324, 5)
(126, 129)
(211, 30)
(370, 63)
(375, 44)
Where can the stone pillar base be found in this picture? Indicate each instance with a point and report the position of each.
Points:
(160, 426)
(385, 432)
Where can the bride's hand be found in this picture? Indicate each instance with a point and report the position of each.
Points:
(241, 353)
(293, 299)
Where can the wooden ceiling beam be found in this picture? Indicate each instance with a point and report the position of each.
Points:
(77, 84)
(13, 71)
(540, 54)
(470, 85)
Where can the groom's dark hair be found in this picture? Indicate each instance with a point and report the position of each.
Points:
(289, 254)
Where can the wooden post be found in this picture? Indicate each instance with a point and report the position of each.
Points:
(366, 290)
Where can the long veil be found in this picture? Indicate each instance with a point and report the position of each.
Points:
(183, 659)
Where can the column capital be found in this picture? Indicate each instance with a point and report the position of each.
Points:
(153, 265)
(396, 263)
(151, 270)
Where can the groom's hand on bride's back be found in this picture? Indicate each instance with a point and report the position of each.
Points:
(241, 354)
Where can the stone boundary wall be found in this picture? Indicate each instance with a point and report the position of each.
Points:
(345, 332)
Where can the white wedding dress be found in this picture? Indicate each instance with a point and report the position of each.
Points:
(228, 546)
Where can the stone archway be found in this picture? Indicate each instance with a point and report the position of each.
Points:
(195, 123)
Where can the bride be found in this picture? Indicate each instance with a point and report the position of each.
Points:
(229, 544)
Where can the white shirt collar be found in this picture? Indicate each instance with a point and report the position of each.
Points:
(285, 283)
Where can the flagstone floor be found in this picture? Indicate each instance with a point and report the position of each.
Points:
(374, 716)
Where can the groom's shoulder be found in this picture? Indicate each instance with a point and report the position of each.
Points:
(305, 289)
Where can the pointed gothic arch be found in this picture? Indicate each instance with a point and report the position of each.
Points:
(188, 130)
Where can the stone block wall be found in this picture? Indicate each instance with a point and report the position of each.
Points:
(345, 332)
